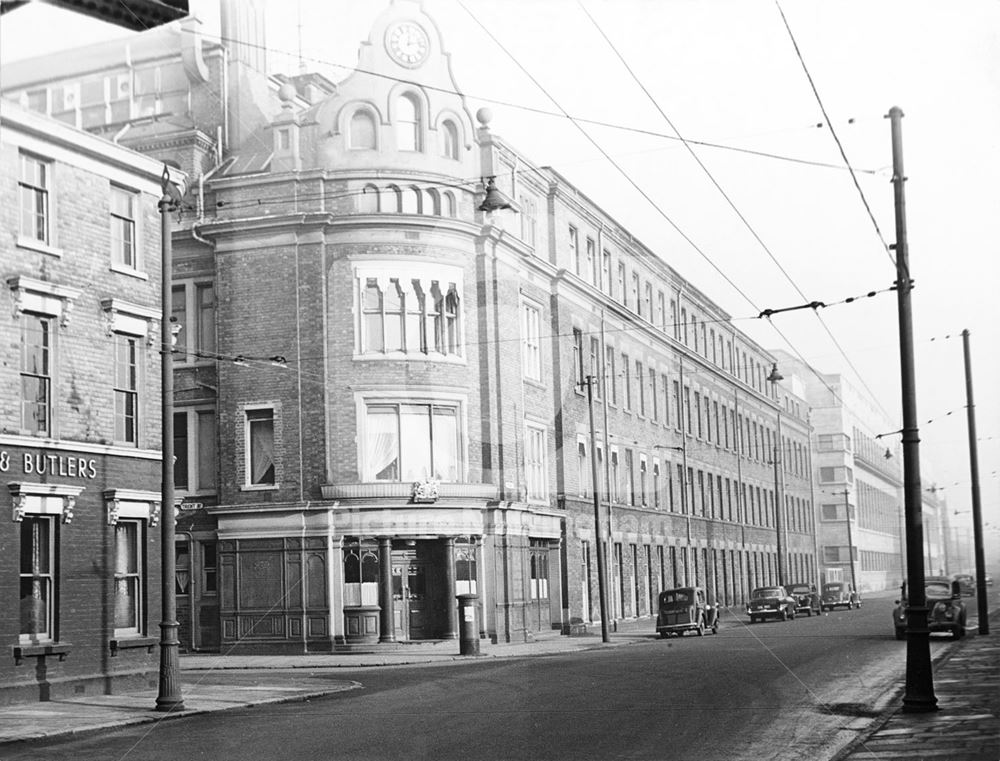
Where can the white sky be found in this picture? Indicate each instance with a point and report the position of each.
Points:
(726, 72)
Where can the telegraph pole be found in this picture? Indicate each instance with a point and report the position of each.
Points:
(598, 538)
(977, 514)
(919, 692)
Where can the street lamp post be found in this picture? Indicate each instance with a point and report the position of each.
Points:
(919, 692)
(169, 697)
(779, 499)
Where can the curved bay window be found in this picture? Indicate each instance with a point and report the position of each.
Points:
(409, 315)
(411, 442)
(361, 573)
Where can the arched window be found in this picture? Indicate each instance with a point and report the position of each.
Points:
(415, 338)
(449, 140)
(451, 321)
(435, 198)
(360, 576)
(448, 204)
(372, 310)
(368, 201)
(393, 317)
(362, 134)
(407, 123)
(411, 200)
(397, 199)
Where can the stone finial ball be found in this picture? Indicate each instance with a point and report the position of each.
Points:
(484, 116)
(287, 91)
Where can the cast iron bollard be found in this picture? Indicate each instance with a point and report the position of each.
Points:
(468, 636)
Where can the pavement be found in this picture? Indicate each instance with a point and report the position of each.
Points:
(966, 683)
(966, 726)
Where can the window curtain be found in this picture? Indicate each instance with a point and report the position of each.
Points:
(381, 445)
(262, 451)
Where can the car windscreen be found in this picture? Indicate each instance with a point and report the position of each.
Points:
(675, 599)
(799, 590)
(831, 587)
(758, 594)
(937, 591)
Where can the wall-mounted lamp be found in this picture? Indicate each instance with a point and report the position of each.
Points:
(494, 200)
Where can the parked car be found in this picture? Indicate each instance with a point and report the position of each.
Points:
(686, 609)
(770, 602)
(945, 609)
(838, 594)
(806, 598)
(966, 583)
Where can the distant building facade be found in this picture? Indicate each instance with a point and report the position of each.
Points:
(381, 389)
(858, 481)
(80, 421)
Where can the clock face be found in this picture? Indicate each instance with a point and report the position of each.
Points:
(407, 43)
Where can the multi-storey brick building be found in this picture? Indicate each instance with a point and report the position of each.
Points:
(80, 421)
(394, 380)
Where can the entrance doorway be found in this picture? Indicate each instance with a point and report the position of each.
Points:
(412, 600)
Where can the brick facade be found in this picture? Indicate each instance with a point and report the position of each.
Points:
(76, 473)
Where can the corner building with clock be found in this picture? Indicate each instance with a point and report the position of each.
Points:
(380, 387)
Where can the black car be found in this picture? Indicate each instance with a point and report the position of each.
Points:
(945, 609)
(770, 602)
(837, 594)
(966, 583)
(806, 598)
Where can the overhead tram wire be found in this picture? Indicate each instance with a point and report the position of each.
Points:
(836, 139)
(610, 160)
(542, 111)
(639, 189)
(726, 196)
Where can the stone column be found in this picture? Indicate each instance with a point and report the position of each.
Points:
(386, 626)
(451, 605)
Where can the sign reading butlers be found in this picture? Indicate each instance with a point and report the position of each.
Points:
(48, 464)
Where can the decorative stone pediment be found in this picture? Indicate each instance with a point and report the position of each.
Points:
(42, 297)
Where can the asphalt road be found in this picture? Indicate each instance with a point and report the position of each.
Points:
(791, 690)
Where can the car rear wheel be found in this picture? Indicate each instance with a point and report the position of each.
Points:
(701, 627)
(715, 627)
(784, 614)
